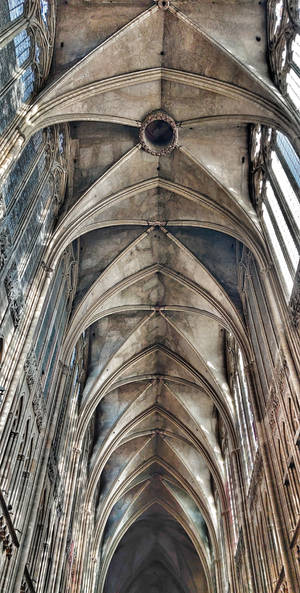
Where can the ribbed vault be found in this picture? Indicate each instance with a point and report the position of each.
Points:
(158, 289)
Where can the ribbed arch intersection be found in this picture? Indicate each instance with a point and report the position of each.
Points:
(158, 293)
(156, 390)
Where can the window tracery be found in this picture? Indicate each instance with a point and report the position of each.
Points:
(275, 192)
(44, 4)
(44, 168)
(27, 79)
(16, 8)
(284, 47)
(22, 43)
(244, 416)
(32, 45)
(231, 493)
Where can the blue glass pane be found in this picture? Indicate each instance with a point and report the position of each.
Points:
(12, 182)
(61, 142)
(49, 311)
(15, 213)
(37, 53)
(4, 15)
(9, 104)
(289, 155)
(16, 8)
(44, 10)
(22, 47)
(31, 245)
(27, 83)
(7, 63)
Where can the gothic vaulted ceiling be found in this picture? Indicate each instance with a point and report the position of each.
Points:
(160, 237)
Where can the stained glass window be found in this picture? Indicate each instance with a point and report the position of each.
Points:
(277, 249)
(61, 142)
(22, 47)
(16, 8)
(44, 10)
(27, 82)
(293, 87)
(284, 49)
(278, 196)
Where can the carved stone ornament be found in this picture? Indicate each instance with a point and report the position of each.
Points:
(53, 472)
(14, 295)
(258, 187)
(38, 406)
(293, 9)
(34, 384)
(158, 133)
(273, 409)
(59, 508)
(282, 30)
(278, 391)
(282, 379)
(255, 144)
(256, 479)
(31, 370)
(5, 243)
(163, 4)
(47, 269)
(57, 180)
(24, 587)
(295, 303)
(284, 587)
(2, 207)
(240, 551)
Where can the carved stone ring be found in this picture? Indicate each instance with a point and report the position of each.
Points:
(163, 4)
(158, 133)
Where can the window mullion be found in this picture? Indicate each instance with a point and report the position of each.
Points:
(285, 276)
(16, 77)
(296, 69)
(24, 179)
(291, 223)
(293, 87)
(288, 172)
(13, 28)
(280, 239)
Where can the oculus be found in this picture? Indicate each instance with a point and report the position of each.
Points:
(158, 133)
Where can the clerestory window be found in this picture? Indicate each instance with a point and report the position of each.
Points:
(44, 10)
(244, 416)
(284, 47)
(22, 44)
(16, 8)
(276, 182)
(27, 83)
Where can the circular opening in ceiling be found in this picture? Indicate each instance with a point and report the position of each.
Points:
(164, 4)
(158, 133)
